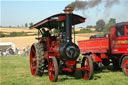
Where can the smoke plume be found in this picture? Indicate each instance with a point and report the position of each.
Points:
(110, 3)
(80, 5)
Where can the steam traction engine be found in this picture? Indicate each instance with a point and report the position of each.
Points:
(106, 49)
(57, 53)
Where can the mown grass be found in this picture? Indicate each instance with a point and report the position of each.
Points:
(14, 70)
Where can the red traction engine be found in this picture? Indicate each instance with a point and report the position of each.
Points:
(57, 52)
(110, 48)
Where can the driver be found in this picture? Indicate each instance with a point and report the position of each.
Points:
(46, 33)
(120, 31)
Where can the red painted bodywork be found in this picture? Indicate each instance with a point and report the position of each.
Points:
(69, 64)
(118, 44)
(53, 50)
(52, 47)
(96, 58)
(94, 45)
(113, 45)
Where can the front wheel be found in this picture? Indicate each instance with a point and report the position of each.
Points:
(53, 69)
(87, 65)
(124, 65)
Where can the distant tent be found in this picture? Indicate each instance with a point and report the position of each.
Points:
(6, 45)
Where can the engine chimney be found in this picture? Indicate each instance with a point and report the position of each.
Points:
(68, 10)
(68, 24)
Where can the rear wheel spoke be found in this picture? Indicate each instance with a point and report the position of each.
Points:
(87, 68)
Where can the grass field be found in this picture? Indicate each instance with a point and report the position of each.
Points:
(14, 70)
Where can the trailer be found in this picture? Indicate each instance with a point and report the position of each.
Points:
(108, 48)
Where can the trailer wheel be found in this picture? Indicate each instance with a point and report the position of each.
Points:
(87, 64)
(124, 65)
(53, 69)
(96, 65)
(37, 61)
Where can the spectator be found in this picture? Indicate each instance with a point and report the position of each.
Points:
(7, 52)
(17, 50)
(11, 51)
(28, 50)
(24, 51)
(1, 52)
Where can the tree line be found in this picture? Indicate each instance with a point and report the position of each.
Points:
(28, 24)
(101, 26)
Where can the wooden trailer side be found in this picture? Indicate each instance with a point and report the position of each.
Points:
(98, 45)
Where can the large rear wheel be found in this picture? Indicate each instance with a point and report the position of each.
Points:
(124, 65)
(87, 65)
(37, 61)
(53, 69)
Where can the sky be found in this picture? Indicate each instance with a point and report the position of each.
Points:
(19, 12)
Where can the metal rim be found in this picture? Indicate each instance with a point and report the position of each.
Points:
(52, 70)
(33, 61)
(124, 66)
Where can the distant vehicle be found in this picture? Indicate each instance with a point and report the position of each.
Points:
(102, 49)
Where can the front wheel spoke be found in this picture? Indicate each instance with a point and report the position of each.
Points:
(53, 74)
(50, 69)
(85, 75)
(53, 69)
(88, 74)
(50, 73)
(87, 68)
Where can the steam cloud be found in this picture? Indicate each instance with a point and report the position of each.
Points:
(79, 5)
(110, 3)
